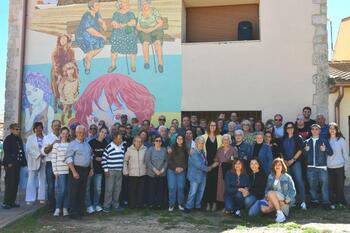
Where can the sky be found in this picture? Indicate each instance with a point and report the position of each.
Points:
(337, 10)
(3, 51)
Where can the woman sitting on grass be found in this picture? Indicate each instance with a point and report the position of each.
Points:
(280, 191)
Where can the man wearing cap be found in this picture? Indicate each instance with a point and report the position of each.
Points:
(46, 150)
(14, 159)
(317, 149)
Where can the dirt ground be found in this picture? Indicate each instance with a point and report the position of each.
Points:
(147, 221)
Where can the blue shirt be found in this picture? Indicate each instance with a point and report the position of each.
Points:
(288, 148)
(79, 153)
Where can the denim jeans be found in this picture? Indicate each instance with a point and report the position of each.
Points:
(176, 186)
(195, 194)
(316, 176)
(96, 182)
(61, 187)
(237, 201)
(297, 175)
(50, 180)
(254, 210)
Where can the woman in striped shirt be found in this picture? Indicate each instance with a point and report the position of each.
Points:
(60, 169)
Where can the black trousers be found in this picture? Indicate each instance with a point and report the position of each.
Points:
(77, 190)
(156, 191)
(211, 186)
(336, 178)
(11, 184)
(136, 187)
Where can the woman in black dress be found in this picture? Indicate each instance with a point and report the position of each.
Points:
(213, 141)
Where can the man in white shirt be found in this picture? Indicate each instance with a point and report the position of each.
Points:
(48, 142)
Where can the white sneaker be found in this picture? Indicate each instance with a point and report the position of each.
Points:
(65, 212)
(181, 208)
(280, 217)
(98, 208)
(303, 206)
(57, 213)
(90, 210)
(171, 208)
(29, 203)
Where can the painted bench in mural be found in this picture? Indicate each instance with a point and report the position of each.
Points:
(73, 25)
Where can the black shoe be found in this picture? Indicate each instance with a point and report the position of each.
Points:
(6, 207)
(187, 211)
(14, 205)
(314, 204)
(326, 206)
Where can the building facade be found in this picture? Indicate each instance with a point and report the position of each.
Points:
(196, 60)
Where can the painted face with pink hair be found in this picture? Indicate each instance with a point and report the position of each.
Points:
(112, 95)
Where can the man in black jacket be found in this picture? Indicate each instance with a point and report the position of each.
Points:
(14, 159)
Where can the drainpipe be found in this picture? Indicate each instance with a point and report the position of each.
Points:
(337, 104)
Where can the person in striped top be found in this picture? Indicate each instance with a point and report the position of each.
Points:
(112, 164)
(60, 170)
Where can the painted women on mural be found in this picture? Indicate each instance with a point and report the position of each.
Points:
(36, 102)
(124, 37)
(108, 97)
(150, 29)
(62, 55)
(88, 35)
(68, 88)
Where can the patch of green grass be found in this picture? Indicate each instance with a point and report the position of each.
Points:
(310, 230)
(27, 224)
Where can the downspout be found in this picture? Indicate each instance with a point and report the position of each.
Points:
(23, 46)
(337, 104)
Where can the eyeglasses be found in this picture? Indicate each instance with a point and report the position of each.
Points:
(290, 127)
(278, 119)
(315, 129)
(93, 128)
(161, 119)
(212, 125)
(17, 129)
(158, 140)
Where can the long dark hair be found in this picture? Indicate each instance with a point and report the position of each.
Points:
(338, 133)
(177, 148)
(285, 134)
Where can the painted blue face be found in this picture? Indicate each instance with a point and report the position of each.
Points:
(109, 113)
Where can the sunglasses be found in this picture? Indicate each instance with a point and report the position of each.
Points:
(93, 128)
(158, 140)
(17, 129)
(161, 119)
(278, 119)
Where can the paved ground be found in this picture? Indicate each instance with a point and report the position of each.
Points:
(8, 217)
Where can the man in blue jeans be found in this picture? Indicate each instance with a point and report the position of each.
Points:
(317, 149)
(197, 172)
(48, 142)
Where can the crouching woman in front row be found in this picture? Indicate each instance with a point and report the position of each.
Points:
(280, 191)
(237, 184)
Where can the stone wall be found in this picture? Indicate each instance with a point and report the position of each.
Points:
(320, 57)
(15, 57)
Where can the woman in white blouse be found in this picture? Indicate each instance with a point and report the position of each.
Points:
(36, 185)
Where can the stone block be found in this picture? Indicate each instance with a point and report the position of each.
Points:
(319, 19)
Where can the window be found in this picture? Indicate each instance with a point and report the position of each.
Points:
(211, 23)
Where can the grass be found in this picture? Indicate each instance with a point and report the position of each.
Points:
(209, 221)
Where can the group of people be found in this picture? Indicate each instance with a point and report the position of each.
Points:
(127, 30)
(223, 164)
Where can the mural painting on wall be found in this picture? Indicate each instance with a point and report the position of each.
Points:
(101, 59)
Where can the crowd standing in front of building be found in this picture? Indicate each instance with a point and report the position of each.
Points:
(230, 165)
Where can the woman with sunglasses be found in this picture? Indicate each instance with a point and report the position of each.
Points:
(156, 160)
(292, 147)
(213, 141)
